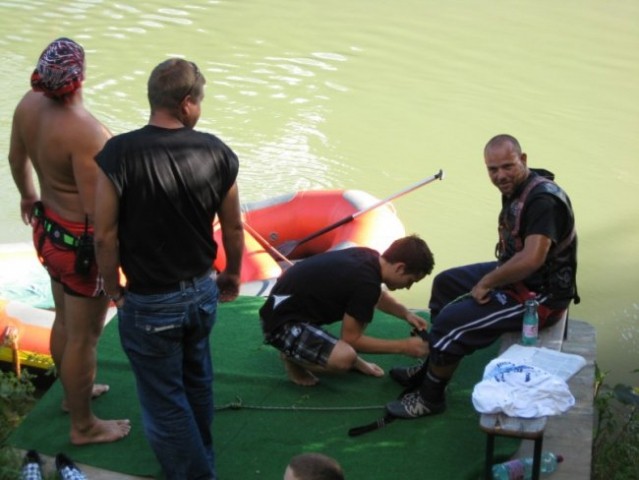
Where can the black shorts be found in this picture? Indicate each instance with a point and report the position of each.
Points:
(303, 341)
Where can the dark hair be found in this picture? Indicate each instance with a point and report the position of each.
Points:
(172, 81)
(413, 252)
(499, 140)
(316, 466)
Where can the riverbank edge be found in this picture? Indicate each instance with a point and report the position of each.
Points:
(571, 434)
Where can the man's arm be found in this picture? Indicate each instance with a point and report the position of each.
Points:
(230, 217)
(389, 304)
(520, 266)
(107, 205)
(353, 334)
(22, 170)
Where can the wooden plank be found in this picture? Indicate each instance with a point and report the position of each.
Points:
(502, 424)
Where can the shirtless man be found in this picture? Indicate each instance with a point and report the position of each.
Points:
(53, 134)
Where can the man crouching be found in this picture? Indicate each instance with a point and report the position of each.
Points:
(343, 285)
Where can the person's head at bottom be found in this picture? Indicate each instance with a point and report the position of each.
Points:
(313, 466)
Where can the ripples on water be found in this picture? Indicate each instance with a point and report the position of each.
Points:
(243, 89)
(286, 153)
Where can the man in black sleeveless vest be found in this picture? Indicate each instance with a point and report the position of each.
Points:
(473, 305)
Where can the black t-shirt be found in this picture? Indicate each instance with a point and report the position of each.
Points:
(322, 288)
(171, 183)
(546, 215)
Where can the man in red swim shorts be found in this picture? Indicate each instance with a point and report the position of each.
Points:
(54, 134)
(57, 242)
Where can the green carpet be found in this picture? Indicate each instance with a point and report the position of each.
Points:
(277, 419)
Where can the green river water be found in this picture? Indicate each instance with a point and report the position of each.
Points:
(376, 95)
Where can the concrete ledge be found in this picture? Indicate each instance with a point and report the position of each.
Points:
(551, 337)
(571, 434)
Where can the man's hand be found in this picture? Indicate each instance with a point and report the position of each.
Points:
(481, 294)
(229, 286)
(415, 347)
(416, 321)
(26, 209)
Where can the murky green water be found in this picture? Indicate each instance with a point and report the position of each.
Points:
(377, 95)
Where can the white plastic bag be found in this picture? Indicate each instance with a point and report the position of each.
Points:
(521, 391)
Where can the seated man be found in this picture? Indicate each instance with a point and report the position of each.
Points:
(471, 306)
(343, 285)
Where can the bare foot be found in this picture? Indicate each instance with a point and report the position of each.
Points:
(102, 431)
(368, 368)
(298, 374)
(98, 389)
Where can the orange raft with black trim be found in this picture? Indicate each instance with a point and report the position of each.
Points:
(269, 224)
(273, 224)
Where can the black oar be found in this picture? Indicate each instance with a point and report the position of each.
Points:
(287, 247)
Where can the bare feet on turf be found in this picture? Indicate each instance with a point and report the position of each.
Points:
(101, 431)
(98, 389)
(298, 374)
(368, 368)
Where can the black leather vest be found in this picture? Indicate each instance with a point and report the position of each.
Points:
(557, 275)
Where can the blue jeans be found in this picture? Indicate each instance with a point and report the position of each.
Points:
(166, 338)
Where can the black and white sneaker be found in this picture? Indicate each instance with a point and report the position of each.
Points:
(412, 405)
(31, 466)
(67, 469)
(405, 375)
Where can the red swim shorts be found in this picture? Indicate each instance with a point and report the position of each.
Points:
(60, 260)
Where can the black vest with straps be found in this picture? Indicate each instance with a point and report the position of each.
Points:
(558, 274)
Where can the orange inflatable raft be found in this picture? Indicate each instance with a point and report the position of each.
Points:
(281, 230)
(25, 332)
(276, 223)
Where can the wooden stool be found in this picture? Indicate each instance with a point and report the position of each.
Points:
(500, 424)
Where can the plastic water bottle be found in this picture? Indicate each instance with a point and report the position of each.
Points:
(521, 468)
(530, 327)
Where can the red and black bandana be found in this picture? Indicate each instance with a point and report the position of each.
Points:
(60, 69)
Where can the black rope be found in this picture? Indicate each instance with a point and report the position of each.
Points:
(415, 381)
(376, 425)
(240, 405)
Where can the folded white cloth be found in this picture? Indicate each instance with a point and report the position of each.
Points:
(521, 391)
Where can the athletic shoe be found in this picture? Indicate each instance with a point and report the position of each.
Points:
(67, 469)
(404, 375)
(31, 466)
(412, 405)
